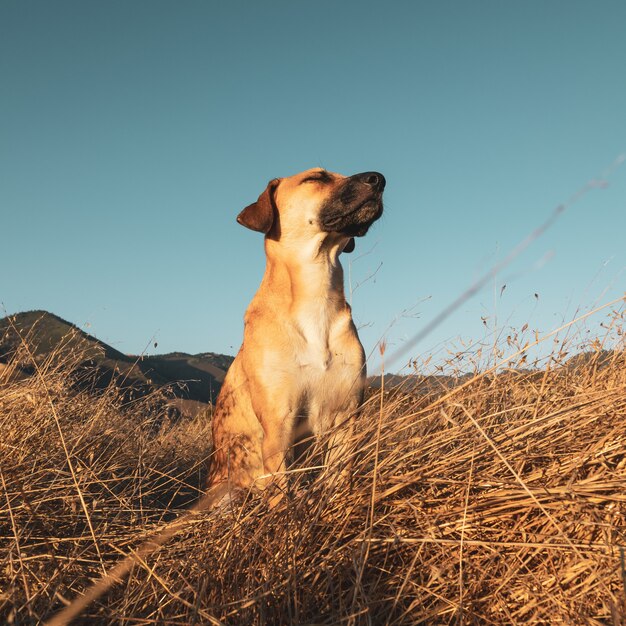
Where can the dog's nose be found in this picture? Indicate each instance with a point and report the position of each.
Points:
(373, 179)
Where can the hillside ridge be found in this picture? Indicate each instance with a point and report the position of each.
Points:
(194, 379)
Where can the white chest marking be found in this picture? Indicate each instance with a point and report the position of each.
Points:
(314, 328)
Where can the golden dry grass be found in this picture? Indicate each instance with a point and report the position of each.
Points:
(501, 501)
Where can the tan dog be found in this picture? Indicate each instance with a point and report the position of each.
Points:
(301, 365)
(301, 362)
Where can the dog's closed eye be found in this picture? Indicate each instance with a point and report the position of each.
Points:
(318, 177)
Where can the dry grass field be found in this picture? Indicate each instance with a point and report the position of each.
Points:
(501, 500)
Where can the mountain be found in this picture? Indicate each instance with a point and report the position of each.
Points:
(417, 383)
(202, 374)
(194, 379)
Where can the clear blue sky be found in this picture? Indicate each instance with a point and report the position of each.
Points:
(132, 133)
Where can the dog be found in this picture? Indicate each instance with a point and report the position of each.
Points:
(301, 366)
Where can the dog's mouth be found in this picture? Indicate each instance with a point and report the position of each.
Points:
(355, 206)
(355, 222)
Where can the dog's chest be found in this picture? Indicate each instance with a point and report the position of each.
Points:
(324, 338)
(315, 352)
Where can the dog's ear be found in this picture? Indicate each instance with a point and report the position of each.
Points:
(260, 214)
(350, 245)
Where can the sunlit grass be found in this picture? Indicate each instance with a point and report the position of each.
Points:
(499, 500)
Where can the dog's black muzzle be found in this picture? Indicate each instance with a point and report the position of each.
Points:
(355, 205)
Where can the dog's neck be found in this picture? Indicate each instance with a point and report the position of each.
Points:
(304, 286)
(310, 272)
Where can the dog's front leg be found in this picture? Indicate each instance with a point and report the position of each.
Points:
(338, 455)
(336, 427)
(276, 446)
(276, 415)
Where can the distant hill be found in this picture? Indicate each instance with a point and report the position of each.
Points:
(202, 374)
(415, 383)
(425, 384)
(195, 379)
